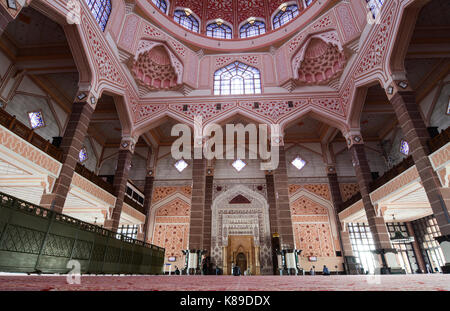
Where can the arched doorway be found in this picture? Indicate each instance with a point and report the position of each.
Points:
(241, 262)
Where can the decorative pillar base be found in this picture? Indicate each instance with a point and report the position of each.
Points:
(388, 262)
(193, 261)
(352, 266)
(288, 263)
(444, 242)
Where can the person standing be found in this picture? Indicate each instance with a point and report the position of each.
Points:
(325, 270)
(312, 271)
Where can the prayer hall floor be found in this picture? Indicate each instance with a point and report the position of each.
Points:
(417, 282)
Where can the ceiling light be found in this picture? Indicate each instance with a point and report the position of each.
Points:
(251, 20)
(81, 96)
(181, 165)
(239, 165)
(298, 162)
(283, 7)
(187, 11)
(403, 84)
(219, 21)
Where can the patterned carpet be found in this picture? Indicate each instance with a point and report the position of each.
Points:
(430, 282)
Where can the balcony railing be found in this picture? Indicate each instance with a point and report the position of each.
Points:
(134, 204)
(23, 131)
(392, 173)
(355, 198)
(434, 144)
(34, 239)
(89, 175)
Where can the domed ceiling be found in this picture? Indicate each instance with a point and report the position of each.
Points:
(232, 11)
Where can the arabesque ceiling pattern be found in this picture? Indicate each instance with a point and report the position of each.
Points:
(232, 11)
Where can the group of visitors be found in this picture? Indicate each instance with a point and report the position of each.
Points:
(325, 270)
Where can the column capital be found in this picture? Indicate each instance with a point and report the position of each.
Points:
(331, 169)
(86, 95)
(128, 143)
(398, 84)
(353, 137)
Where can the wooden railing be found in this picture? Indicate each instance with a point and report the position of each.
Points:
(392, 173)
(439, 141)
(89, 175)
(23, 131)
(134, 204)
(355, 198)
(434, 144)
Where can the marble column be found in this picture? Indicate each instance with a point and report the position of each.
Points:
(71, 145)
(416, 248)
(344, 239)
(377, 225)
(417, 136)
(125, 155)
(197, 204)
(283, 208)
(207, 212)
(148, 194)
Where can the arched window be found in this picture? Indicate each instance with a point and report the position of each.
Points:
(101, 9)
(186, 20)
(253, 29)
(237, 79)
(285, 15)
(374, 6)
(161, 4)
(219, 30)
(308, 2)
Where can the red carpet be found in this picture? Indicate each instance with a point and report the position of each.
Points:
(431, 282)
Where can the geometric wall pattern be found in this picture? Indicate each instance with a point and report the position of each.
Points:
(172, 219)
(311, 224)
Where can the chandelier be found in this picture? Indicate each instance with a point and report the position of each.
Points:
(399, 238)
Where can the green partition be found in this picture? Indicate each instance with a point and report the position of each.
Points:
(36, 240)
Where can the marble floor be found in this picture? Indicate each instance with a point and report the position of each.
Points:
(424, 282)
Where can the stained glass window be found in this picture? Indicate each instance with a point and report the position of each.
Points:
(101, 9)
(161, 4)
(298, 162)
(219, 30)
(448, 106)
(253, 29)
(285, 15)
(236, 79)
(239, 165)
(308, 2)
(404, 147)
(186, 20)
(374, 6)
(83, 155)
(36, 119)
